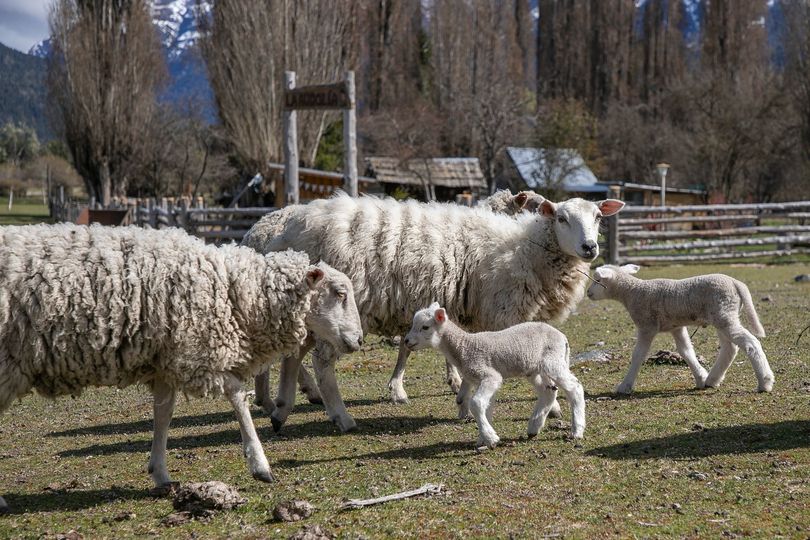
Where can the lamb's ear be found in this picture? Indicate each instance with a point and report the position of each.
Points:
(314, 277)
(521, 199)
(604, 273)
(547, 209)
(440, 315)
(630, 268)
(610, 206)
(434, 306)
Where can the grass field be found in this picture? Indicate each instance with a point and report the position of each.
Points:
(23, 211)
(667, 461)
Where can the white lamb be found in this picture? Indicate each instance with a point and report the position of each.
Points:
(670, 305)
(493, 271)
(505, 202)
(104, 306)
(533, 350)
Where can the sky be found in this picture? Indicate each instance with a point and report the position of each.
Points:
(23, 23)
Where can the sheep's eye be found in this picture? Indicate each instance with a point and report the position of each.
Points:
(598, 219)
(341, 295)
(562, 220)
(426, 327)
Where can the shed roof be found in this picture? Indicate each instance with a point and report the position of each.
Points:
(445, 172)
(539, 166)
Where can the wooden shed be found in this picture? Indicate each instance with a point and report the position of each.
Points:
(430, 179)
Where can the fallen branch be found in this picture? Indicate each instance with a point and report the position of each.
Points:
(802, 333)
(427, 489)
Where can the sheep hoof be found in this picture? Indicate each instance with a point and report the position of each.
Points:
(315, 400)
(345, 424)
(531, 435)
(455, 385)
(624, 389)
(276, 424)
(313, 396)
(400, 400)
(766, 386)
(264, 476)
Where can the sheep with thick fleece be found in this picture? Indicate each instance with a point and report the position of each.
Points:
(505, 202)
(670, 305)
(105, 306)
(534, 350)
(493, 271)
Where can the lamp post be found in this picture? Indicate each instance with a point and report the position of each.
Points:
(662, 169)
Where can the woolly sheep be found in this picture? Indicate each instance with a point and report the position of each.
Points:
(534, 350)
(505, 202)
(491, 270)
(669, 305)
(102, 306)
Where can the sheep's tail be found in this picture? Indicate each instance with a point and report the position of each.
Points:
(748, 306)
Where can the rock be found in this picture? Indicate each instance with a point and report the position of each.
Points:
(694, 475)
(166, 490)
(293, 510)
(200, 497)
(698, 427)
(802, 278)
(121, 516)
(767, 298)
(178, 518)
(312, 532)
(671, 358)
(70, 535)
(598, 355)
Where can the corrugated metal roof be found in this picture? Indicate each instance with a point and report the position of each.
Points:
(561, 166)
(445, 172)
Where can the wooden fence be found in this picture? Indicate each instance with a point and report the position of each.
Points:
(699, 233)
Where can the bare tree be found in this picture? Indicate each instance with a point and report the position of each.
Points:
(103, 77)
(249, 44)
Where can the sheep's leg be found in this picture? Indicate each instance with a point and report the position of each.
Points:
(753, 348)
(308, 386)
(684, 346)
(644, 340)
(546, 397)
(261, 383)
(323, 360)
(251, 446)
(576, 397)
(724, 359)
(398, 394)
(480, 403)
(164, 400)
(285, 400)
(463, 399)
(453, 377)
(556, 411)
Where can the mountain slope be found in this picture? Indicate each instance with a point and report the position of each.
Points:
(22, 91)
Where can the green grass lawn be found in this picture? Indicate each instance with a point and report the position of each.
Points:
(668, 461)
(23, 211)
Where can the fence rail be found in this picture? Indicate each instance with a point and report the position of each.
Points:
(700, 233)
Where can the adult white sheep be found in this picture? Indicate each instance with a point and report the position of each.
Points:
(534, 350)
(102, 306)
(505, 202)
(670, 305)
(491, 270)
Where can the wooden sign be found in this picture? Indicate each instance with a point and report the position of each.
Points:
(326, 96)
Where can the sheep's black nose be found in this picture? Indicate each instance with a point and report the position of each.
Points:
(360, 340)
(590, 245)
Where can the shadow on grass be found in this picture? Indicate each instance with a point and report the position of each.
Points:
(745, 439)
(647, 394)
(430, 451)
(390, 425)
(23, 503)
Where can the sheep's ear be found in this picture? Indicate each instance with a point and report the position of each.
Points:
(521, 199)
(547, 209)
(440, 315)
(610, 206)
(434, 306)
(603, 273)
(630, 268)
(314, 277)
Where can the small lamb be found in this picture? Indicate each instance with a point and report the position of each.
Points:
(669, 305)
(533, 350)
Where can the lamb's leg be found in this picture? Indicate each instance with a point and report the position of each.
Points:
(164, 400)
(252, 447)
(308, 386)
(556, 411)
(285, 401)
(546, 397)
(261, 383)
(724, 359)
(453, 377)
(398, 394)
(753, 348)
(463, 399)
(684, 346)
(644, 340)
(480, 403)
(323, 360)
(576, 397)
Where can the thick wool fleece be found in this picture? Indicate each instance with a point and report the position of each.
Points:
(505, 202)
(101, 306)
(491, 270)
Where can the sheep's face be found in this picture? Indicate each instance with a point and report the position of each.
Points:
(576, 224)
(425, 329)
(333, 315)
(605, 277)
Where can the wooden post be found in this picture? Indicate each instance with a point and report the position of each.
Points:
(46, 189)
(350, 140)
(152, 213)
(613, 230)
(182, 214)
(10, 198)
(290, 148)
